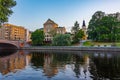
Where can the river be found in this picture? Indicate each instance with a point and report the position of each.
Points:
(59, 65)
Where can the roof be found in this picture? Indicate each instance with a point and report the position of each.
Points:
(60, 27)
(49, 21)
(41, 28)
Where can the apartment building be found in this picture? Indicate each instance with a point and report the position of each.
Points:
(13, 32)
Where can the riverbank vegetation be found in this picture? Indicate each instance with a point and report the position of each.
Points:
(37, 37)
(61, 40)
(104, 28)
(101, 44)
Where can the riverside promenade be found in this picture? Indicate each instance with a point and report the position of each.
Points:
(72, 48)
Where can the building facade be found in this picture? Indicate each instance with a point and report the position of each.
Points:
(13, 32)
(28, 36)
(60, 30)
(51, 28)
(2, 32)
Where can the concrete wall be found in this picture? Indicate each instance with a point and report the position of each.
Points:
(71, 48)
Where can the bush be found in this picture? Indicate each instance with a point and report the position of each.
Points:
(61, 40)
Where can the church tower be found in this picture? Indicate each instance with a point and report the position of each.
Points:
(85, 30)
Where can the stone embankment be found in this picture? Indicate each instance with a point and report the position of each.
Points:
(72, 48)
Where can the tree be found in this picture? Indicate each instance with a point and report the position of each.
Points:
(75, 28)
(93, 23)
(106, 28)
(5, 9)
(78, 36)
(61, 40)
(37, 37)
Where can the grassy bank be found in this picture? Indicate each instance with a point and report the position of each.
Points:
(90, 43)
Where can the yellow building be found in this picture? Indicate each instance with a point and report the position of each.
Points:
(2, 32)
(51, 28)
(12, 63)
(13, 32)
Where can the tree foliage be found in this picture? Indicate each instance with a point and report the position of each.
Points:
(75, 28)
(37, 37)
(61, 40)
(106, 28)
(78, 36)
(77, 33)
(5, 9)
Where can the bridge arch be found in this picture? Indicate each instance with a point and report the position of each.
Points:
(7, 46)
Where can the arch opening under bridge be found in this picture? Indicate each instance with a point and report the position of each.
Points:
(7, 46)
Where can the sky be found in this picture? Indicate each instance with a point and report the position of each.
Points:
(32, 14)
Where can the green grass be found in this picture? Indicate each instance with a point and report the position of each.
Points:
(118, 44)
(90, 43)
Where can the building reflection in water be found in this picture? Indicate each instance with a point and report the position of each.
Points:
(12, 63)
(82, 66)
(49, 68)
(50, 63)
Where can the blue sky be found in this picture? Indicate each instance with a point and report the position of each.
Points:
(33, 13)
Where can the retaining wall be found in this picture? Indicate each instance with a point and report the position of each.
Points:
(71, 48)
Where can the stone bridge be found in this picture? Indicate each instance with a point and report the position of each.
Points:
(7, 44)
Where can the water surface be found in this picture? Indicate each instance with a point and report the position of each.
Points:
(60, 65)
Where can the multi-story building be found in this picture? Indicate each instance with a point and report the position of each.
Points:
(13, 32)
(2, 32)
(51, 28)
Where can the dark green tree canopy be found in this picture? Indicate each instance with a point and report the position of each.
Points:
(78, 36)
(5, 9)
(105, 28)
(61, 40)
(37, 37)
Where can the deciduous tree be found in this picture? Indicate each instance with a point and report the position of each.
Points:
(37, 37)
(105, 29)
(5, 9)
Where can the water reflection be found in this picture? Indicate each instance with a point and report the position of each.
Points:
(12, 62)
(106, 66)
(60, 65)
(6, 52)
